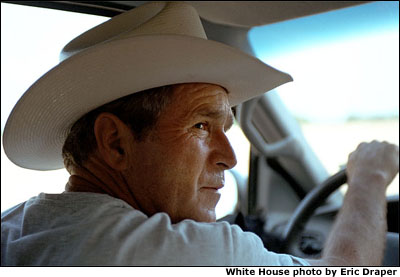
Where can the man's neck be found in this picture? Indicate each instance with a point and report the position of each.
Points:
(95, 177)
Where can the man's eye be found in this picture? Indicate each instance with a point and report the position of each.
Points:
(201, 126)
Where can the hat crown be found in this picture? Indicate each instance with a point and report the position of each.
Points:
(155, 18)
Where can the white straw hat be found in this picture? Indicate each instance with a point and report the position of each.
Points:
(153, 45)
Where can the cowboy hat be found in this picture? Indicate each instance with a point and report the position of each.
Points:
(153, 45)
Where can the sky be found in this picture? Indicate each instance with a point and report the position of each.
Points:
(278, 39)
(347, 59)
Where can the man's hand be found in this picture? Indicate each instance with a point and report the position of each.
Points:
(358, 235)
(374, 161)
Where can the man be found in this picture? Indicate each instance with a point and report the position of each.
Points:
(138, 111)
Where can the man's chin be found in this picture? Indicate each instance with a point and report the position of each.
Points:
(206, 216)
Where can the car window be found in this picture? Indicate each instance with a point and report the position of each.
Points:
(31, 40)
(345, 66)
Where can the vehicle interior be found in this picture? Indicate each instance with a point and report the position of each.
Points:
(286, 187)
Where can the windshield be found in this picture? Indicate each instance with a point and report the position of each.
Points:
(345, 66)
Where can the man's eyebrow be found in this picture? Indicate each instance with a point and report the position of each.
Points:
(212, 113)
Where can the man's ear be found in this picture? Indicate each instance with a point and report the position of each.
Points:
(112, 137)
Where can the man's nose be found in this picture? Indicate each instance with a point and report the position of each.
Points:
(226, 157)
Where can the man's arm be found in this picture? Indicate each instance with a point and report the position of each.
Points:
(358, 235)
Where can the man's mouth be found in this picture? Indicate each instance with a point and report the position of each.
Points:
(216, 188)
(215, 184)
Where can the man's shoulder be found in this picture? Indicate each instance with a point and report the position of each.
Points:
(75, 224)
(65, 211)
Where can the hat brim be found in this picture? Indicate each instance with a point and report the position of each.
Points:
(37, 127)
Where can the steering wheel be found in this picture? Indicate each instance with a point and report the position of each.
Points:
(307, 206)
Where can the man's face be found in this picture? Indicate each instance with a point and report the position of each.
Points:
(179, 167)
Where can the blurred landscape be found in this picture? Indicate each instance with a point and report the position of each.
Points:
(333, 142)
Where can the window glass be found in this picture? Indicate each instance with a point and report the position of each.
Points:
(345, 66)
(31, 40)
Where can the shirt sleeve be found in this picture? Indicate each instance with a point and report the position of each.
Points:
(250, 249)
